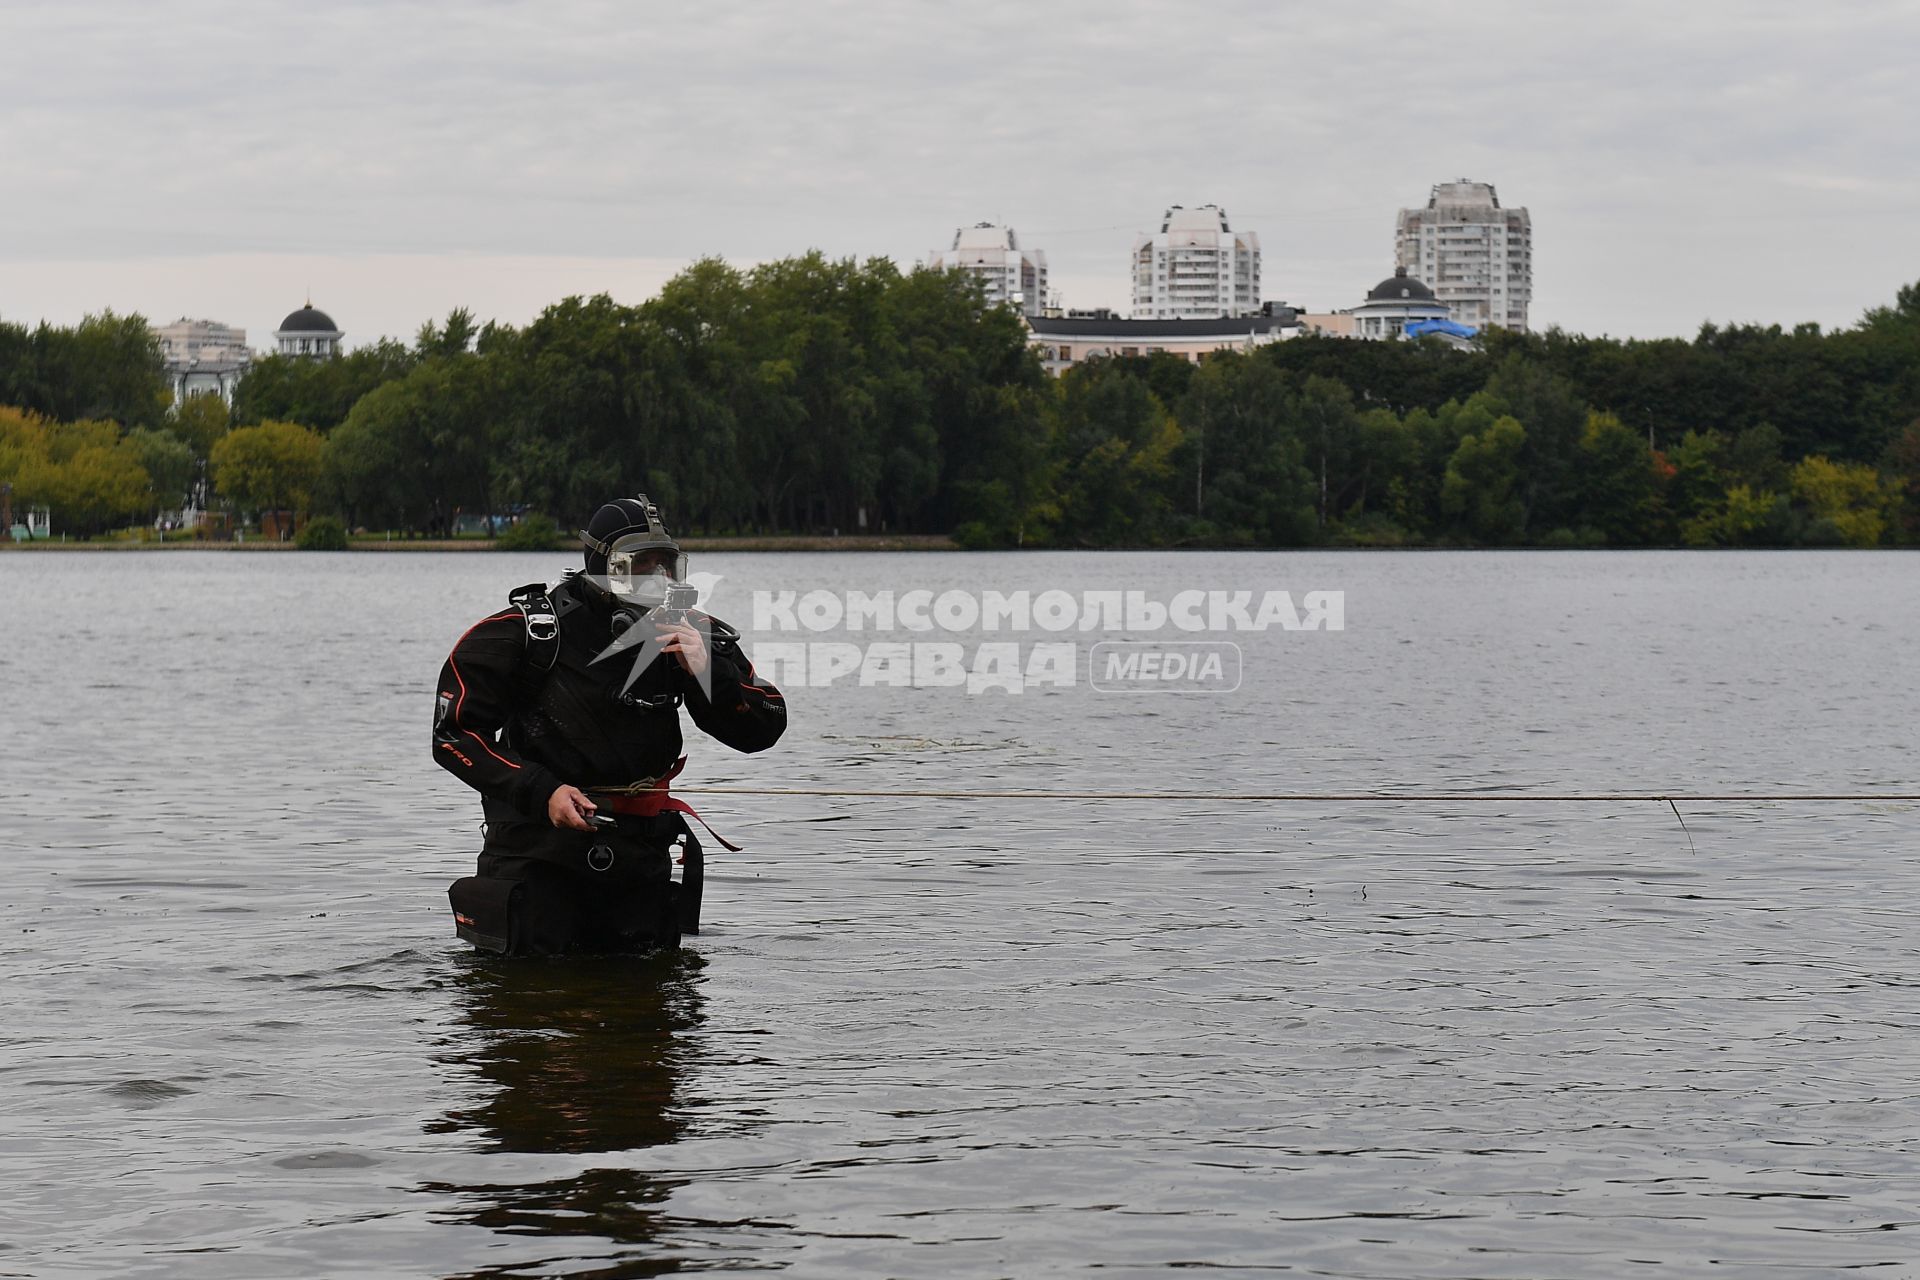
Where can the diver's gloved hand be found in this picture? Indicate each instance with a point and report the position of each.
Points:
(687, 645)
(568, 808)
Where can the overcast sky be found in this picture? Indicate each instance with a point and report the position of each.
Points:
(1732, 160)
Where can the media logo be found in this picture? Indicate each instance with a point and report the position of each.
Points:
(1164, 666)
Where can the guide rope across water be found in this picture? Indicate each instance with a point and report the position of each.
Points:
(1672, 801)
(1328, 797)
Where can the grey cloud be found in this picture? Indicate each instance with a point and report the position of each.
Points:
(759, 129)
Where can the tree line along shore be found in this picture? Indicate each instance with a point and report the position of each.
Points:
(560, 542)
(818, 399)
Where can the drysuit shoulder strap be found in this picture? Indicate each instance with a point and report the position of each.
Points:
(543, 624)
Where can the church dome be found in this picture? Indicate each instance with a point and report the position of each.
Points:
(1400, 286)
(309, 320)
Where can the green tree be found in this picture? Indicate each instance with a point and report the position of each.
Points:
(1116, 474)
(1243, 475)
(1903, 465)
(454, 338)
(1012, 498)
(1753, 458)
(364, 464)
(1481, 488)
(1330, 429)
(1699, 482)
(1401, 376)
(200, 420)
(1430, 441)
(1739, 518)
(316, 393)
(108, 367)
(1551, 410)
(1903, 314)
(1377, 513)
(275, 466)
(169, 465)
(420, 448)
(577, 406)
(1616, 487)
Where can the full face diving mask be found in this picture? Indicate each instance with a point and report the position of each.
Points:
(645, 573)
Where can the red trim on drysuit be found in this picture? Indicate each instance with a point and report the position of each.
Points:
(453, 662)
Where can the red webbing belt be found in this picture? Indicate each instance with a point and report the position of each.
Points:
(655, 800)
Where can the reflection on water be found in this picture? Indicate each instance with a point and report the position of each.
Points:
(573, 1055)
(579, 1054)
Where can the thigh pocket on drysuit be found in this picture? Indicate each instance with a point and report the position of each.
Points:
(552, 912)
(608, 890)
(483, 911)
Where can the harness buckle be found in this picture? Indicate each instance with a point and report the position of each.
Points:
(542, 623)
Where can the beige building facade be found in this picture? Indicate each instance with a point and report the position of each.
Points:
(1062, 342)
(1476, 254)
(203, 357)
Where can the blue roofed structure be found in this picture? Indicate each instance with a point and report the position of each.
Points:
(1449, 328)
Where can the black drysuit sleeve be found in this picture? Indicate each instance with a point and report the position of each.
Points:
(743, 710)
(475, 699)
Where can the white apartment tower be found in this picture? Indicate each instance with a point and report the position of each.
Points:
(1197, 268)
(1477, 256)
(1012, 276)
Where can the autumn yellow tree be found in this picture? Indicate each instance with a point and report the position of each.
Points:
(1847, 497)
(85, 473)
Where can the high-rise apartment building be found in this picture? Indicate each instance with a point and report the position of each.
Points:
(1477, 256)
(1197, 267)
(203, 356)
(1012, 276)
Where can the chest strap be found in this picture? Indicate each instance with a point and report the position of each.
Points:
(651, 799)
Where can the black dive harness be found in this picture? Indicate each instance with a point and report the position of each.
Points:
(543, 624)
(648, 798)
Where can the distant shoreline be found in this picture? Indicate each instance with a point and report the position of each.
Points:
(749, 542)
(877, 543)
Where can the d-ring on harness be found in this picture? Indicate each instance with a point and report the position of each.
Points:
(543, 625)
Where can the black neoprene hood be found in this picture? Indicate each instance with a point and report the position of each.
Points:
(615, 520)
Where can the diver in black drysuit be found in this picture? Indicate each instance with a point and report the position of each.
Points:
(571, 761)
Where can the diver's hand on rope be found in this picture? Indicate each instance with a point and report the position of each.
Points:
(689, 648)
(568, 808)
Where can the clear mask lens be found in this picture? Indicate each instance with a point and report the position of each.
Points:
(642, 573)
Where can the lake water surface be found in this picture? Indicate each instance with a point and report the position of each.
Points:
(992, 1037)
